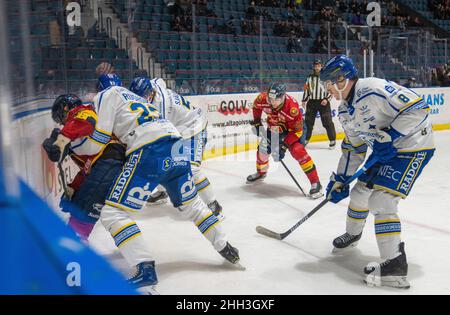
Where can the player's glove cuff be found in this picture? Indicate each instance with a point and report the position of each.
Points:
(55, 133)
(335, 190)
(383, 147)
(256, 126)
(394, 133)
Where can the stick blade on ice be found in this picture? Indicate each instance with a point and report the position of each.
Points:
(266, 232)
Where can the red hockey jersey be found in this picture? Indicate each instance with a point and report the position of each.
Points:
(287, 118)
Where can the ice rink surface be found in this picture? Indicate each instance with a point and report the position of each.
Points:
(302, 263)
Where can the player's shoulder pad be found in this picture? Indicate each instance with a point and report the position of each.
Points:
(292, 106)
(261, 98)
(85, 112)
(367, 86)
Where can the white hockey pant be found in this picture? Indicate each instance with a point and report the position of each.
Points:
(384, 207)
(132, 245)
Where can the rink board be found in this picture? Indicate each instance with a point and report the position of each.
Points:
(229, 132)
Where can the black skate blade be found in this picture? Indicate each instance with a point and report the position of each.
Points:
(266, 232)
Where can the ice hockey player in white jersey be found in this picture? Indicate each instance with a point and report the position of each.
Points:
(394, 122)
(190, 122)
(153, 156)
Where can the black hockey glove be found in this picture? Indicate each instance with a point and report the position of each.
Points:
(53, 151)
(256, 124)
(283, 148)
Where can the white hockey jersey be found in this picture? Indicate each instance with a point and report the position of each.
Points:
(375, 104)
(187, 119)
(130, 118)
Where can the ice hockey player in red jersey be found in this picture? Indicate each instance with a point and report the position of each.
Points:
(284, 130)
(85, 195)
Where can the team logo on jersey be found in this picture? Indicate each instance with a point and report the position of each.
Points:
(138, 196)
(294, 112)
(362, 91)
(85, 114)
(365, 110)
(188, 189)
(167, 164)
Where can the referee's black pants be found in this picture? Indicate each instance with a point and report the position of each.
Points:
(314, 106)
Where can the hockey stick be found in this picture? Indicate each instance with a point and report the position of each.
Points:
(285, 167)
(281, 236)
(63, 180)
(293, 178)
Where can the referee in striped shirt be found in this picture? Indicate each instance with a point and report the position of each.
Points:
(317, 99)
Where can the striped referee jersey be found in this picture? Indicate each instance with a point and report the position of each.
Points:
(314, 89)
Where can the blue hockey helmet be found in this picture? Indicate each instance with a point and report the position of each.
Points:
(107, 80)
(62, 105)
(338, 66)
(141, 86)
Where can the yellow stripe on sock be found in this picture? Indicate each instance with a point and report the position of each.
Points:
(307, 166)
(122, 228)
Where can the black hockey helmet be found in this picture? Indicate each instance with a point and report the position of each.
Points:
(276, 95)
(277, 90)
(62, 105)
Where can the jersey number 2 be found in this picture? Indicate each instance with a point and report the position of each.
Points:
(147, 113)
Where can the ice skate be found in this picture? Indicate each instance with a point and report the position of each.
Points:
(158, 198)
(145, 278)
(316, 191)
(257, 177)
(345, 242)
(231, 254)
(332, 145)
(390, 273)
